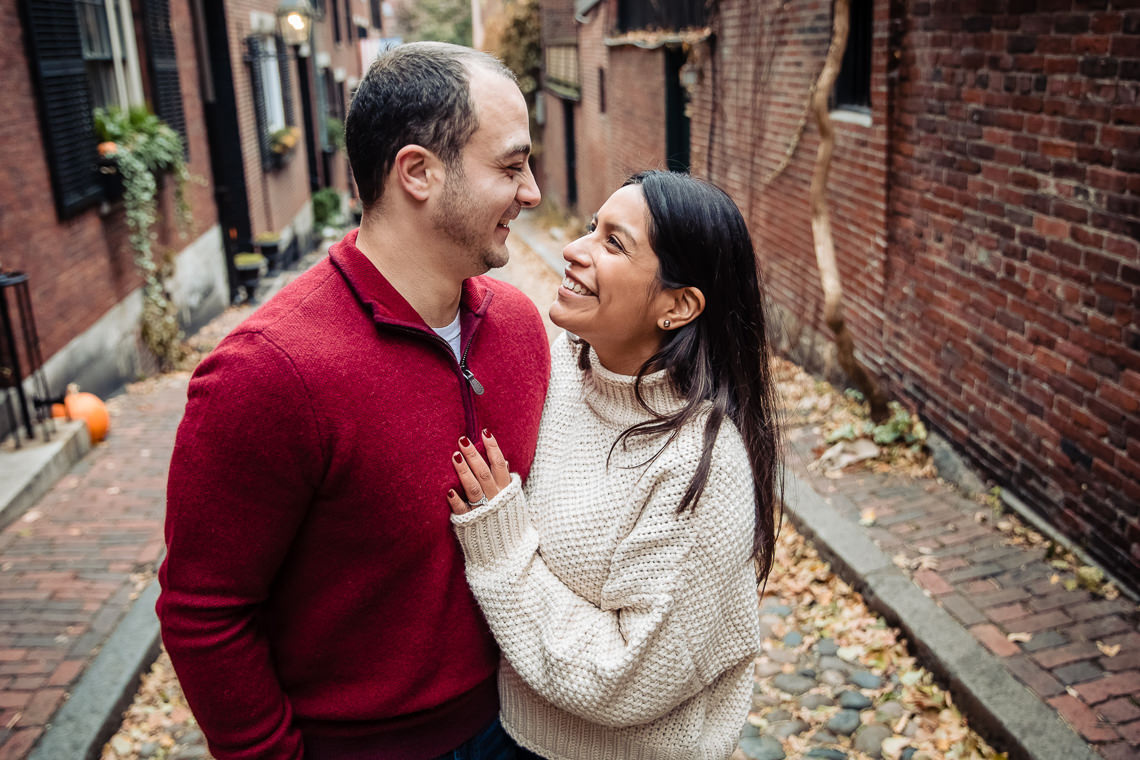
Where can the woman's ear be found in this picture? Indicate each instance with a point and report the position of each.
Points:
(416, 169)
(687, 303)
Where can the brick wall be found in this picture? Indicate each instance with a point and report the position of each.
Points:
(760, 72)
(986, 218)
(80, 268)
(1014, 215)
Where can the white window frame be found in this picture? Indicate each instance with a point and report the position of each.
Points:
(124, 54)
(271, 86)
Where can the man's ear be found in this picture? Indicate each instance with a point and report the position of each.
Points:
(417, 170)
(685, 304)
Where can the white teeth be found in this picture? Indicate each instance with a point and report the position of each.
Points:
(574, 287)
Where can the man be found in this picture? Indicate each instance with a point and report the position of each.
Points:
(314, 600)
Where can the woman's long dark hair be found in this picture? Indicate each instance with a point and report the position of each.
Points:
(722, 356)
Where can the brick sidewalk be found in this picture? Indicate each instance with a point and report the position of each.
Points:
(994, 589)
(70, 567)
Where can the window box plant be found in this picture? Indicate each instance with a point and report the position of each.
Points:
(143, 150)
(282, 144)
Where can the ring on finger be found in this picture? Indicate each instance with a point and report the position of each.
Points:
(478, 503)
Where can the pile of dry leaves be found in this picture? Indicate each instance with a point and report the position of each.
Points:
(851, 437)
(823, 606)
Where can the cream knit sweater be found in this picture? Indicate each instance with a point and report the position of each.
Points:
(627, 630)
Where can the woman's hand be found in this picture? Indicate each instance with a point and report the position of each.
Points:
(481, 479)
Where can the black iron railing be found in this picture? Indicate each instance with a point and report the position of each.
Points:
(20, 357)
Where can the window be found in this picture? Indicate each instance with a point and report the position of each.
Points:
(109, 53)
(84, 57)
(601, 90)
(561, 76)
(271, 82)
(272, 86)
(853, 85)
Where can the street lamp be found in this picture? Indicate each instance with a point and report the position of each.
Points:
(294, 19)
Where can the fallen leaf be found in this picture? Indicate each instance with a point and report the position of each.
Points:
(1108, 650)
(893, 746)
(867, 518)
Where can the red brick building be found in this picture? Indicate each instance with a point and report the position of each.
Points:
(55, 222)
(985, 199)
(219, 73)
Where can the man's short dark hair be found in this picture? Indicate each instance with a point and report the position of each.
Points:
(414, 94)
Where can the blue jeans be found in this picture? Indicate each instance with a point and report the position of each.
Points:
(492, 743)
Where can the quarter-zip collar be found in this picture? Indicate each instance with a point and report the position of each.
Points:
(386, 305)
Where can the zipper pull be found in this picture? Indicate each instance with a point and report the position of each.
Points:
(475, 384)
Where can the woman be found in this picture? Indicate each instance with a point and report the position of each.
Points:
(620, 582)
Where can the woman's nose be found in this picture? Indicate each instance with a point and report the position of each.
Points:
(575, 252)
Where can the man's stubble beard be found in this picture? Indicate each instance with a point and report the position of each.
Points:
(454, 219)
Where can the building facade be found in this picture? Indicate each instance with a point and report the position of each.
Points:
(984, 197)
(262, 125)
(57, 224)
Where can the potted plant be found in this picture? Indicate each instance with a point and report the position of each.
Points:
(107, 167)
(249, 267)
(269, 245)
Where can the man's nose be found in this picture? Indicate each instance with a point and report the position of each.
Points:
(528, 194)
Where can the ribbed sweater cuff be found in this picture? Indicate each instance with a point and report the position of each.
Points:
(491, 533)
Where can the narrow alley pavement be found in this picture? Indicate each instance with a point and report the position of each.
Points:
(993, 617)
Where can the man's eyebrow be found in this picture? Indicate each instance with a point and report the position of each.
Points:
(522, 149)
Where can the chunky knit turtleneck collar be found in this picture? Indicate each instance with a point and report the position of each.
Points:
(611, 396)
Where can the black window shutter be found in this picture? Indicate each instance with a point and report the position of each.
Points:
(349, 24)
(254, 60)
(55, 53)
(167, 92)
(286, 80)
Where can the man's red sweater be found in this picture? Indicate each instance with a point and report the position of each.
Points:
(313, 589)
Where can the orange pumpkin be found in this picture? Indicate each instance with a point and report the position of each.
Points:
(89, 408)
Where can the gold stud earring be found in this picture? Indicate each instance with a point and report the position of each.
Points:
(666, 325)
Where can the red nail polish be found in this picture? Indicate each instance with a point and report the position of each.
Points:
(451, 493)
(463, 441)
(457, 457)
(487, 433)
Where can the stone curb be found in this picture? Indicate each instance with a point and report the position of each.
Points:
(84, 723)
(998, 706)
(26, 474)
